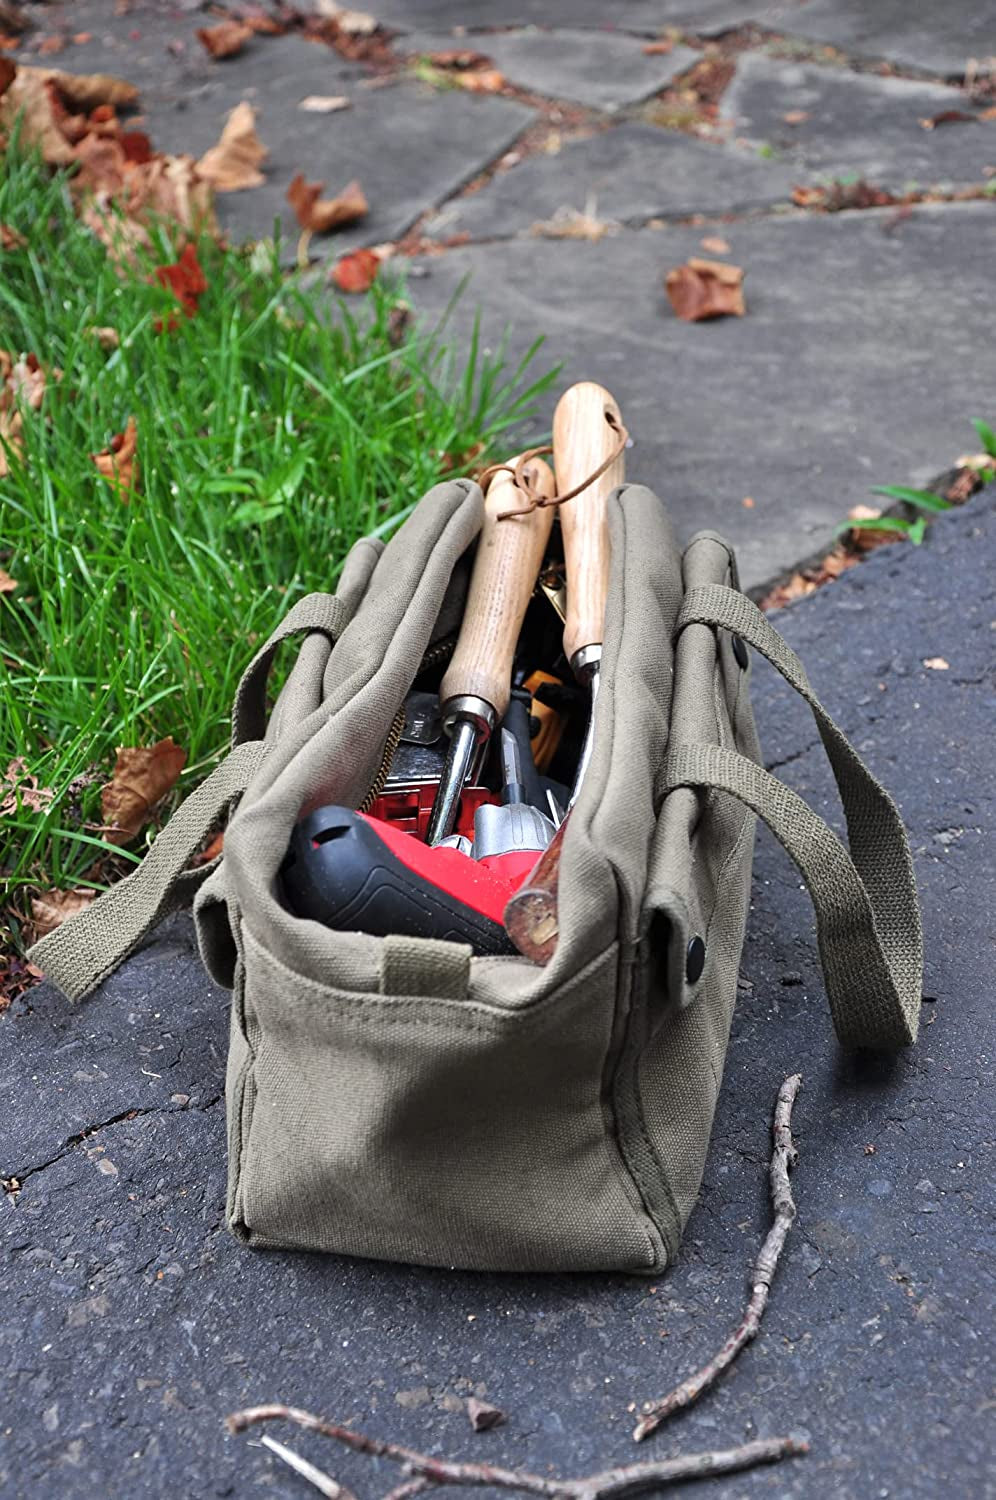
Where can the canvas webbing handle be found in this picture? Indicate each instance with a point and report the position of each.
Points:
(82, 952)
(867, 915)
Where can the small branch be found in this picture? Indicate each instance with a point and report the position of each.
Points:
(783, 1158)
(410, 1487)
(608, 1485)
(324, 1483)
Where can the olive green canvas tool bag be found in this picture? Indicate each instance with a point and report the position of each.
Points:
(403, 1099)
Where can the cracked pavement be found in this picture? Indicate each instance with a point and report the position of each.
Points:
(131, 1322)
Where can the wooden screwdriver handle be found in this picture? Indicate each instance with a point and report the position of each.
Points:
(531, 915)
(509, 554)
(582, 440)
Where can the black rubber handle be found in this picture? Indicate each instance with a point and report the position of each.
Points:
(338, 871)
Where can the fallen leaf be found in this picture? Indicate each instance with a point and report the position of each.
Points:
(107, 338)
(748, 502)
(19, 789)
(118, 462)
(936, 664)
(142, 777)
(81, 38)
(50, 909)
(352, 22)
(458, 57)
(86, 91)
(949, 117)
(574, 224)
(16, 976)
(324, 104)
(49, 45)
(23, 383)
(356, 272)
(225, 39)
(484, 81)
(796, 116)
(842, 195)
(483, 1416)
(184, 278)
(7, 584)
(658, 49)
(705, 289)
(262, 22)
(715, 245)
(319, 215)
(864, 538)
(234, 163)
(398, 322)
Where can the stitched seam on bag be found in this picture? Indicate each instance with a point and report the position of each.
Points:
(721, 879)
(610, 1065)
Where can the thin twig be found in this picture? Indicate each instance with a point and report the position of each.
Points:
(409, 1488)
(608, 1485)
(783, 1158)
(324, 1483)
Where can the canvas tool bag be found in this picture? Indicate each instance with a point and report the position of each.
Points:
(403, 1099)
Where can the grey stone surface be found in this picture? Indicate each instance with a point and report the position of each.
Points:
(641, 17)
(602, 70)
(857, 123)
(855, 365)
(409, 145)
(936, 38)
(130, 1322)
(630, 173)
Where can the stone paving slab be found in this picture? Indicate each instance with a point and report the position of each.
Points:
(857, 123)
(936, 38)
(629, 173)
(855, 365)
(410, 146)
(639, 17)
(131, 1322)
(600, 70)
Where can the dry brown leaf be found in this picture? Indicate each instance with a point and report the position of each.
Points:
(107, 338)
(356, 272)
(11, 239)
(483, 81)
(324, 104)
(352, 22)
(7, 584)
(225, 39)
(796, 116)
(234, 163)
(936, 664)
(658, 49)
(949, 117)
(574, 224)
(142, 777)
(863, 538)
(458, 57)
(118, 462)
(22, 384)
(706, 289)
(51, 908)
(50, 45)
(19, 789)
(319, 215)
(715, 245)
(86, 91)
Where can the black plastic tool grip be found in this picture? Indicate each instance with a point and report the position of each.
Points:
(339, 871)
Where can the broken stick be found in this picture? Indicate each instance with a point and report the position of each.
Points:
(783, 1158)
(610, 1484)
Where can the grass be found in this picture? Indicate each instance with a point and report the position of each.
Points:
(274, 429)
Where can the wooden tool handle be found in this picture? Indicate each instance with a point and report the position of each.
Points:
(509, 554)
(531, 919)
(582, 440)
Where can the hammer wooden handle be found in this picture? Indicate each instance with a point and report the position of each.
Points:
(582, 440)
(531, 919)
(509, 554)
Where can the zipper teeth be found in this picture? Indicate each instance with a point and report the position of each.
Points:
(436, 654)
(390, 748)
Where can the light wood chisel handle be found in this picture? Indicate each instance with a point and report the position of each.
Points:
(583, 438)
(509, 554)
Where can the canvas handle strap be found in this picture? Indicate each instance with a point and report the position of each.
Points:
(867, 915)
(91, 945)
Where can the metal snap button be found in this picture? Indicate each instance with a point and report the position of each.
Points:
(740, 654)
(695, 959)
